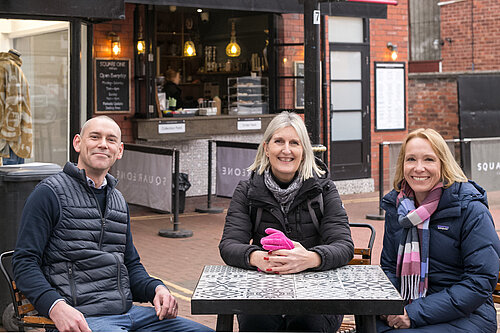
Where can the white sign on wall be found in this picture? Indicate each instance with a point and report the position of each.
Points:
(390, 97)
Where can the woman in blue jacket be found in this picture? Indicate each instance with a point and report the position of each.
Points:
(440, 246)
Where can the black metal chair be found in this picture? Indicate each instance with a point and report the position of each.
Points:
(362, 256)
(20, 313)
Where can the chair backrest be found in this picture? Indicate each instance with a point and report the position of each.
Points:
(24, 311)
(496, 293)
(363, 255)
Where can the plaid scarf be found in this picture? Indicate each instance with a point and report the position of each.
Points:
(413, 252)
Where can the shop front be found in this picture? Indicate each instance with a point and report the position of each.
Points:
(54, 44)
(206, 70)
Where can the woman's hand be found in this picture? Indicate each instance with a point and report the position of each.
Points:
(399, 321)
(260, 259)
(292, 261)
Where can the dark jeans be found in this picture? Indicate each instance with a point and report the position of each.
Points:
(289, 323)
(13, 159)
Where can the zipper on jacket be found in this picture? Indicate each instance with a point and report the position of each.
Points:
(72, 283)
(103, 225)
(119, 281)
(288, 229)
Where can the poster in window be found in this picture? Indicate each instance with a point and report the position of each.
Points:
(390, 96)
(112, 85)
(298, 70)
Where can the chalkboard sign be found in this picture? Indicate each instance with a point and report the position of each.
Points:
(112, 85)
(298, 70)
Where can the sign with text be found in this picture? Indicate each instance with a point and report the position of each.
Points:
(145, 178)
(485, 163)
(112, 85)
(173, 126)
(249, 124)
(233, 160)
(390, 100)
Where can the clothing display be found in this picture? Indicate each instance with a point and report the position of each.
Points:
(16, 127)
(463, 262)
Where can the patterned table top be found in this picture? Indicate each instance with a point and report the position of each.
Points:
(349, 287)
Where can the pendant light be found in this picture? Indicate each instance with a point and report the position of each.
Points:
(233, 49)
(189, 48)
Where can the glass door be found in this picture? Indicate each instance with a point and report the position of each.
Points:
(349, 103)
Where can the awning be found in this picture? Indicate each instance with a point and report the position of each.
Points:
(336, 8)
(88, 9)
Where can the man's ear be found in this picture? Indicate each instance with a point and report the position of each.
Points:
(120, 154)
(76, 142)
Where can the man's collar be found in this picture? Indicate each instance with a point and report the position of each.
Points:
(92, 183)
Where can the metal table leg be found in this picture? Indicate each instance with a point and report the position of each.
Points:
(224, 323)
(365, 324)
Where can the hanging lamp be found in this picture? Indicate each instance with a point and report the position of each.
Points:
(233, 49)
(189, 48)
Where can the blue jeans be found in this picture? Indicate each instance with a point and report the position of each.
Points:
(13, 159)
(143, 319)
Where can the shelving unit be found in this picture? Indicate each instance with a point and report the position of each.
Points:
(248, 95)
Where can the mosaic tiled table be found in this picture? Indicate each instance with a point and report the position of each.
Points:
(362, 290)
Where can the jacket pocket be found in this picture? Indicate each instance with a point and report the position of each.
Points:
(71, 281)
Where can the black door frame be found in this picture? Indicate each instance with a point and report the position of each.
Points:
(346, 171)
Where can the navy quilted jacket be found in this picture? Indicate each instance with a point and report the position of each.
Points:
(463, 260)
(68, 249)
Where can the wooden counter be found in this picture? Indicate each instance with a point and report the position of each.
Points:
(199, 127)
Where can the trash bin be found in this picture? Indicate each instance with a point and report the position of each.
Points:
(16, 184)
(184, 185)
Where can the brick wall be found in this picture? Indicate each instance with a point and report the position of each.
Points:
(102, 49)
(474, 31)
(432, 103)
(394, 29)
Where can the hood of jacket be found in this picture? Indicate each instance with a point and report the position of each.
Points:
(7, 56)
(453, 200)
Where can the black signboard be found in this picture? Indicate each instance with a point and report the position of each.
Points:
(112, 85)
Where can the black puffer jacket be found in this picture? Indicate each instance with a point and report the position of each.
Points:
(333, 241)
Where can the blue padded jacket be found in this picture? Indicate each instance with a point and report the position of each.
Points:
(463, 260)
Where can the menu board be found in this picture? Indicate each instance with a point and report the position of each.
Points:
(390, 99)
(112, 85)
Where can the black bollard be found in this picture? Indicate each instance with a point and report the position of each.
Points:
(176, 232)
(209, 209)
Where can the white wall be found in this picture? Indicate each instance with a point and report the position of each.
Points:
(18, 28)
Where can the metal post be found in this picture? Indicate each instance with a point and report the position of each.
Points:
(209, 209)
(380, 215)
(324, 89)
(176, 232)
(312, 82)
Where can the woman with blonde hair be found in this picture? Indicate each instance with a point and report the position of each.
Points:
(287, 218)
(440, 249)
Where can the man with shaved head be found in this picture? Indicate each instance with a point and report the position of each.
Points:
(74, 257)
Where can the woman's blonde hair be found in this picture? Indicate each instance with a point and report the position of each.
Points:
(450, 170)
(285, 119)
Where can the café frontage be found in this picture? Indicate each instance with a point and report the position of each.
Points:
(178, 74)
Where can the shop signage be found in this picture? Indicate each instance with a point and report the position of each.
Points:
(112, 85)
(145, 177)
(247, 124)
(168, 127)
(233, 160)
(485, 163)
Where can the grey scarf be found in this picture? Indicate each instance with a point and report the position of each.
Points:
(283, 196)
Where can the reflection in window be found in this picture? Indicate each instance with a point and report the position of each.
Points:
(44, 48)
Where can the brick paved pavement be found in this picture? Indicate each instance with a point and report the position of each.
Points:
(179, 262)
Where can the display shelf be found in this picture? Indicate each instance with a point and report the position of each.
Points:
(248, 95)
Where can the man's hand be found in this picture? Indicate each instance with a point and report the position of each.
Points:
(68, 319)
(399, 321)
(165, 304)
